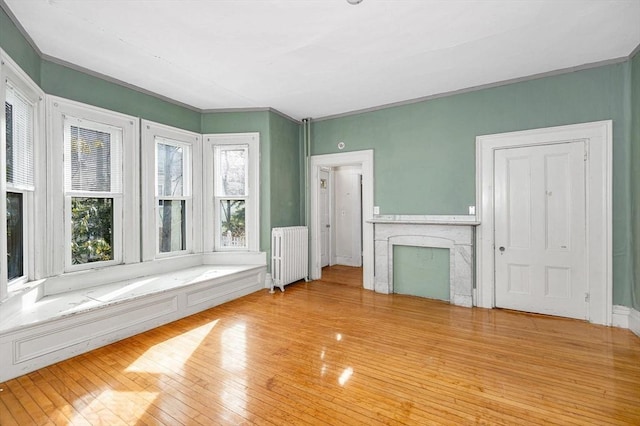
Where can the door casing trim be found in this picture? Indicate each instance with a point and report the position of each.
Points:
(598, 137)
(365, 160)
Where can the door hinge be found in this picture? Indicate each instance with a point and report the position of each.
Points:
(586, 297)
(586, 155)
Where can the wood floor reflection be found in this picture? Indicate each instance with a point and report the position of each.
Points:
(328, 352)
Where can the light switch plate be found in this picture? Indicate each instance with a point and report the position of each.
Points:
(376, 209)
(472, 210)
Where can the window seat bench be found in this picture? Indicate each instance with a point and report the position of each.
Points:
(47, 329)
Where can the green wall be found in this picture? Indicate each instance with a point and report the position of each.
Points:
(12, 42)
(421, 271)
(635, 177)
(75, 85)
(285, 171)
(424, 153)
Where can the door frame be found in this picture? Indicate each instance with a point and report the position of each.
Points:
(363, 159)
(598, 138)
(329, 189)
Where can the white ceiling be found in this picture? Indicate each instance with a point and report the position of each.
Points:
(315, 58)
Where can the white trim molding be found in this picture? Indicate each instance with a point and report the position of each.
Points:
(634, 321)
(620, 316)
(365, 160)
(625, 317)
(211, 231)
(59, 244)
(33, 195)
(598, 137)
(151, 134)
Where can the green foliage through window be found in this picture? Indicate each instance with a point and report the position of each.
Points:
(91, 230)
(15, 247)
(233, 223)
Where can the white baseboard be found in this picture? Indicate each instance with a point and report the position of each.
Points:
(620, 316)
(625, 317)
(634, 322)
(268, 281)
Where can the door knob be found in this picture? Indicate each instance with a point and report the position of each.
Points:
(501, 249)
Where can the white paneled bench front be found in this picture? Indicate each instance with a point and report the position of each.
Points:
(36, 330)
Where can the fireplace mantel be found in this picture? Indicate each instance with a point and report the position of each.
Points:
(426, 219)
(455, 233)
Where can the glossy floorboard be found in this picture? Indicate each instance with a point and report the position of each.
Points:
(328, 352)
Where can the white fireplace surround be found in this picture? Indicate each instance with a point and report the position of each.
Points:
(455, 233)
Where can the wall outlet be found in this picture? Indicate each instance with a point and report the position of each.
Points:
(376, 209)
(472, 210)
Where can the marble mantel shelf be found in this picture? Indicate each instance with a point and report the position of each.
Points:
(426, 220)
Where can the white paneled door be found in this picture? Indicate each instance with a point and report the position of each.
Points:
(540, 236)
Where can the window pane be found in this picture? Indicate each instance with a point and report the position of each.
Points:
(171, 226)
(90, 166)
(19, 131)
(169, 170)
(91, 230)
(233, 233)
(15, 248)
(232, 176)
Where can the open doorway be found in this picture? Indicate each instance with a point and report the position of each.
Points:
(360, 164)
(340, 213)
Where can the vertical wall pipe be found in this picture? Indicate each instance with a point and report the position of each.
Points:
(306, 123)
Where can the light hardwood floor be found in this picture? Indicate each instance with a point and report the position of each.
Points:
(328, 352)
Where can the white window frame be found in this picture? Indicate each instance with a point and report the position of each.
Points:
(33, 225)
(126, 245)
(117, 197)
(192, 184)
(211, 227)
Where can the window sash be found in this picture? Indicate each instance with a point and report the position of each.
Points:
(184, 197)
(225, 240)
(214, 144)
(24, 240)
(161, 246)
(186, 167)
(116, 192)
(116, 233)
(115, 153)
(19, 116)
(219, 190)
(223, 237)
